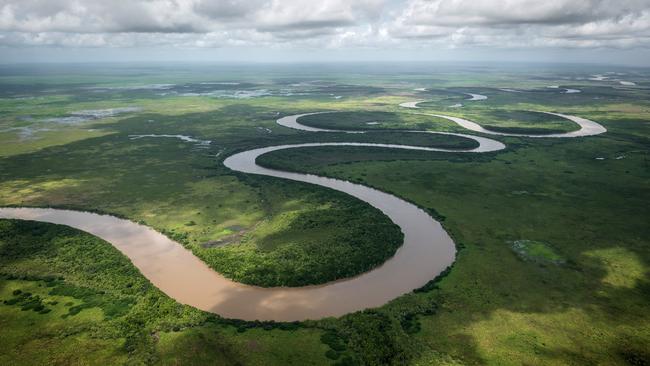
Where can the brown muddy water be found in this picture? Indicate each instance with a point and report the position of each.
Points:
(426, 252)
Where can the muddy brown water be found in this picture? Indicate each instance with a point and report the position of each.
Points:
(426, 252)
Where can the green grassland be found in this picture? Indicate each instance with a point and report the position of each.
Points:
(70, 298)
(495, 307)
(536, 251)
(584, 303)
(510, 122)
(282, 233)
(376, 120)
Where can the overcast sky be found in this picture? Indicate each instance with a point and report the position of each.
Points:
(607, 31)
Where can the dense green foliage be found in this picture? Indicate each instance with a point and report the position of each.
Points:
(521, 122)
(304, 247)
(536, 251)
(593, 262)
(409, 138)
(363, 120)
(582, 202)
(256, 230)
(82, 294)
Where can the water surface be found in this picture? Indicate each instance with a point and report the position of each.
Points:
(426, 252)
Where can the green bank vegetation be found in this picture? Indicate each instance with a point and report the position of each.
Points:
(582, 200)
(70, 298)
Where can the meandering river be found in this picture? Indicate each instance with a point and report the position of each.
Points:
(426, 252)
(587, 127)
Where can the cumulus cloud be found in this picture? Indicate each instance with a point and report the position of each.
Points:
(526, 23)
(506, 12)
(179, 16)
(325, 23)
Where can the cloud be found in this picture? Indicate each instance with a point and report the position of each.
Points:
(505, 12)
(510, 12)
(228, 10)
(377, 24)
(525, 23)
(115, 16)
(179, 16)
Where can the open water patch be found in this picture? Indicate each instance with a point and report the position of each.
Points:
(200, 144)
(92, 114)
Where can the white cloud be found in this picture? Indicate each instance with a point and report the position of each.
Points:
(525, 23)
(504, 12)
(326, 23)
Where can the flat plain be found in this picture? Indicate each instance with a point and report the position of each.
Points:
(552, 234)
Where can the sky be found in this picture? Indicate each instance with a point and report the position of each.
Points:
(593, 31)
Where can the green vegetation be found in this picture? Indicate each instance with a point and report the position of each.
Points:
(408, 138)
(495, 308)
(360, 120)
(287, 234)
(583, 201)
(534, 122)
(514, 121)
(536, 251)
(64, 291)
(310, 246)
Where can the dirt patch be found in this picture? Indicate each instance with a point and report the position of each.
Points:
(236, 237)
(253, 345)
(536, 251)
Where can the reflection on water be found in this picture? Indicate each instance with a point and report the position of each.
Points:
(476, 96)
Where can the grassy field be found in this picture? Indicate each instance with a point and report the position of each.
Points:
(552, 234)
(64, 291)
(583, 303)
(269, 222)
